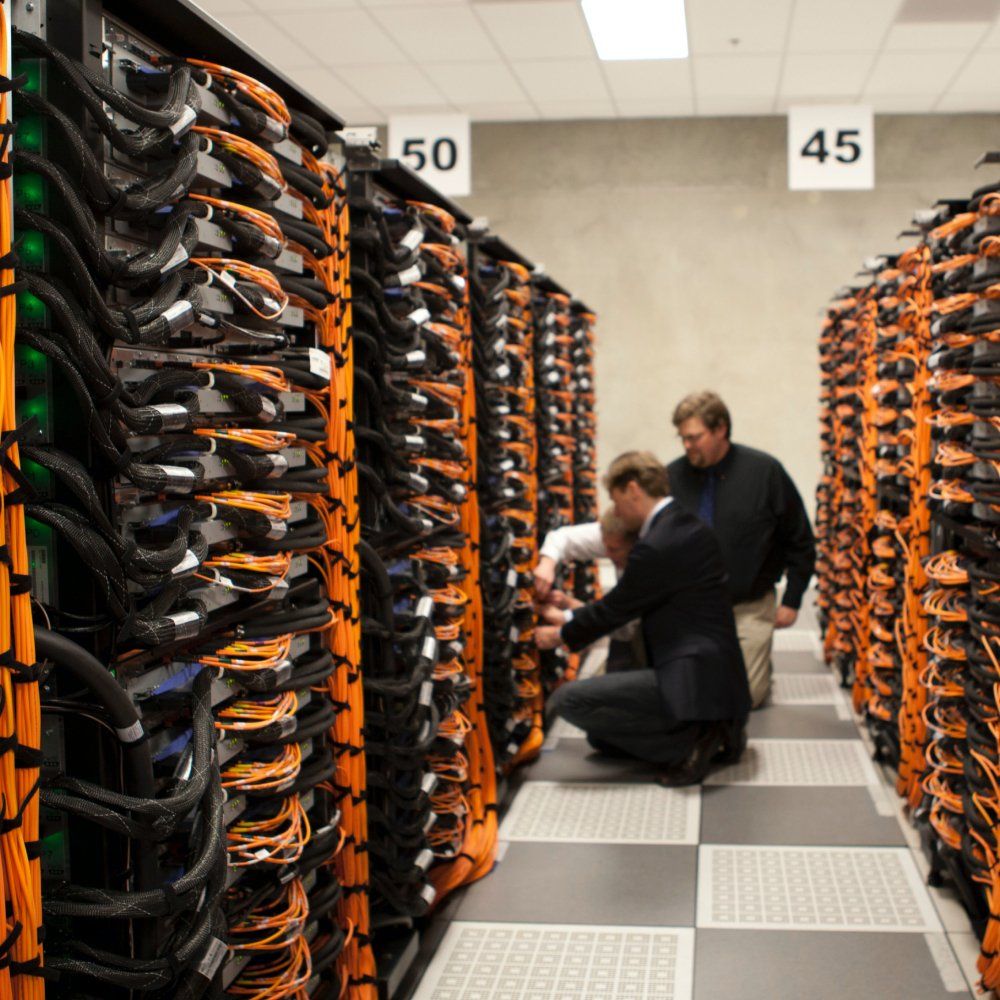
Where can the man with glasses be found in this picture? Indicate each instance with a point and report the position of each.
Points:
(750, 501)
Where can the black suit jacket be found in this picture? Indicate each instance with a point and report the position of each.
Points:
(675, 582)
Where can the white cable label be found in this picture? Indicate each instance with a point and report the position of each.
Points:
(319, 363)
(131, 734)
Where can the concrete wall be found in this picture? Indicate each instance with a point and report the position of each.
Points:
(705, 270)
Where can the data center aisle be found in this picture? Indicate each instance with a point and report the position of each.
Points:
(789, 875)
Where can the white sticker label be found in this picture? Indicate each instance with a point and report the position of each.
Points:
(412, 239)
(319, 363)
(437, 147)
(831, 148)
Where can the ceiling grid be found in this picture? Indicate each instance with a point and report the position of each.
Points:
(522, 60)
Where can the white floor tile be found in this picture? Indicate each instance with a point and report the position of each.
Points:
(812, 888)
(799, 762)
(803, 689)
(508, 961)
(603, 813)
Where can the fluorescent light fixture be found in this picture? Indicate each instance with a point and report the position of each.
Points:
(637, 29)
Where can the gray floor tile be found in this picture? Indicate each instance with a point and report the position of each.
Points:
(587, 884)
(789, 965)
(835, 817)
(799, 722)
(787, 661)
(576, 760)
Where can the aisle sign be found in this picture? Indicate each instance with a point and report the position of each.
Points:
(831, 147)
(437, 147)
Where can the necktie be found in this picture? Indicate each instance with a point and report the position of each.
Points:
(706, 502)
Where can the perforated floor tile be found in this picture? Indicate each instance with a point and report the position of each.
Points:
(494, 961)
(797, 661)
(812, 888)
(799, 762)
(803, 689)
(603, 814)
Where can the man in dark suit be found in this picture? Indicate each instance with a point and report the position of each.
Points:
(691, 707)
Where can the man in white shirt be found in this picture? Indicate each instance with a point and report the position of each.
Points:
(605, 538)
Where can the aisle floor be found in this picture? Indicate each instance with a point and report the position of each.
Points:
(792, 874)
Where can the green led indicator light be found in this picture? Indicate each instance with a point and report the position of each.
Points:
(30, 190)
(32, 70)
(31, 310)
(37, 407)
(34, 248)
(32, 362)
(30, 134)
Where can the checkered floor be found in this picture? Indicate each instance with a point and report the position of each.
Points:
(791, 874)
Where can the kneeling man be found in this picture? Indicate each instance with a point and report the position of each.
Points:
(691, 707)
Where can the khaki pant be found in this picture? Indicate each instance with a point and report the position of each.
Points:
(755, 628)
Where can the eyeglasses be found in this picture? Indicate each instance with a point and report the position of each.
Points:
(687, 439)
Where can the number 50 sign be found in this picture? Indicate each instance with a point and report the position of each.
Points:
(831, 147)
(437, 147)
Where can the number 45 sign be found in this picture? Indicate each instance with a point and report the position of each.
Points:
(831, 147)
(437, 147)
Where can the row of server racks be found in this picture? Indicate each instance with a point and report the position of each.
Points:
(282, 431)
(907, 519)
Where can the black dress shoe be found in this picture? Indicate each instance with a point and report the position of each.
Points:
(734, 742)
(699, 761)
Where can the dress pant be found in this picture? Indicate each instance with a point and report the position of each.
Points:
(755, 628)
(622, 713)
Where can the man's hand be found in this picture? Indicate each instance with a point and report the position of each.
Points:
(548, 637)
(560, 599)
(552, 615)
(545, 576)
(785, 617)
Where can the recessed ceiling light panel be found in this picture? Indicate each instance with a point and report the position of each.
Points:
(637, 29)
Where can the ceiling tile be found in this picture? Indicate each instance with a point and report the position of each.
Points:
(362, 115)
(786, 101)
(538, 29)
(327, 87)
(980, 74)
(217, 7)
(901, 104)
(981, 100)
(737, 76)
(269, 41)
(562, 80)
(649, 79)
(992, 39)
(844, 26)
(908, 73)
(437, 31)
(821, 73)
(758, 25)
(513, 111)
(924, 11)
(569, 110)
(482, 82)
(669, 107)
(722, 107)
(344, 37)
(933, 37)
(268, 7)
(396, 87)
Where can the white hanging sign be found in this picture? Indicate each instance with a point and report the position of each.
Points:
(831, 147)
(437, 147)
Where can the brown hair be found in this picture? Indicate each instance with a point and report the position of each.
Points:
(642, 467)
(708, 406)
(612, 524)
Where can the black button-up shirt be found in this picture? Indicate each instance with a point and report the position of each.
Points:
(760, 521)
